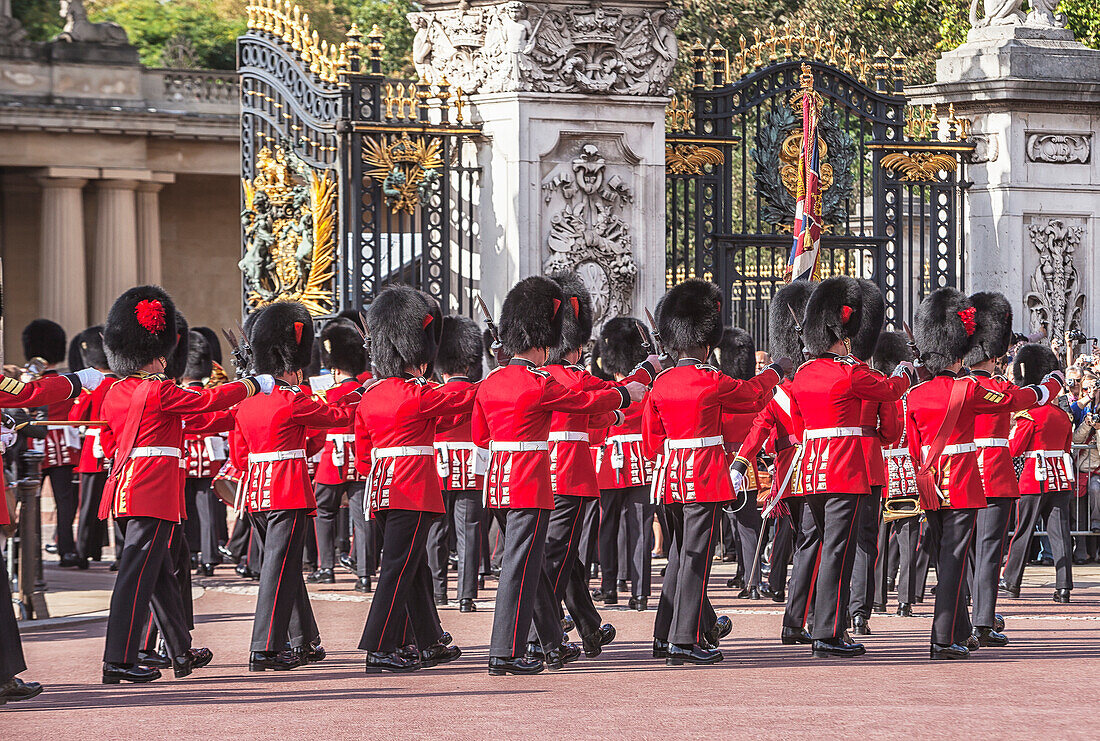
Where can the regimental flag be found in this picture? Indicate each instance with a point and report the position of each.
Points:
(803, 263)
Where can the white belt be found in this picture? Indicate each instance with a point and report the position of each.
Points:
(832, 432)
(57, 427)
(895, 452)
(449, 445)
(402, 451)
(954, 449)
(344, 437)
(276, 455)
(624, 439)
(991, 442)
(1045, 453)
(691, 443)
(155, 452)
(519, 446)
(568, 437)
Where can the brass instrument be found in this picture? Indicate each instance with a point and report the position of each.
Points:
(33, 370)
(898, 508)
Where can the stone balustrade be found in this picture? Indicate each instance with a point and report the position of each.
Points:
(199, 91)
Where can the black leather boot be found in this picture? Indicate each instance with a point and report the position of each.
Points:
(557, 658)
(393, 661)
(279, 661)
(115, 673)
(990, 637)
(792, 636)
(195, 658)
(940, 652)
(837, 648)
(594, 642)
(695, 654)
(498, 666)
(15, 689)
(466, 604)
(437, 654)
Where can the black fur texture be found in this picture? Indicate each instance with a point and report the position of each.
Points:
(45, 339)
(736, 354)
(689, 315)
(892, 348)
(130, 346)
(91, 348)
(342, 348)
(177, 359)
(871, 321)
(405, 328)
(1033, 362)
(619, 348)
(460, 348)
(783, 337)
(576, 325)
(200, 361)
(938, 328)
(273, 336)
(824, 324)
(212, 342)
(994, 327)
(75, 359)
(532, 315)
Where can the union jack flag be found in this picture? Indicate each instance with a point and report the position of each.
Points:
(803, 263)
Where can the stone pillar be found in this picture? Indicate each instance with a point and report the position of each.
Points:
(115, 261)
(62, 283)
(1033, 95)
(571, 98)
(148, 233)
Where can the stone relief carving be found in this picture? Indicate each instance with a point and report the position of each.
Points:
(584, 201)
(1044, 15)
(986, 149)
(1056, 300)
(1011, 13)
(1059, 148)
(79, 28)
(543, 47)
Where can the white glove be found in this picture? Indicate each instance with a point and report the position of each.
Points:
(738, 480)
(89, 378)
(1058, 376)
(8, 437)
(266, 382)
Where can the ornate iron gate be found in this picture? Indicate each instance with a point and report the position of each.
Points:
(891, 186)
(350, 181)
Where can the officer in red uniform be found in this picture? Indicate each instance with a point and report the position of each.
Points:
(1044, 437)
(624, 473)
(779, 427)
(144, 491)
(337, 478)
(50, 389)
(682, 422)
(44, 344)
(88, 406)
(395, 428)
(460, 465)
(992, 338)
(736, 356)
(270, 447)
(830, 391)
(512, 417)
(939, 422)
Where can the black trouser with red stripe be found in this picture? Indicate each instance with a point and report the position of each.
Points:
(834, 516)
(953, 530)
(179, 560)
(65, 499)
(90, 530)
(1055, 506)
(439, 545)
(11, 647)
(145, 577)
(524, 593)
(866, 545)
(283, 612)
(799, 611)
(470, 535)
(403, 593)
(567, 575)
(682, 613)
(329, 497)
(990, 536)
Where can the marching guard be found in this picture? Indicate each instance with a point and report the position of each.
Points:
(940, 423)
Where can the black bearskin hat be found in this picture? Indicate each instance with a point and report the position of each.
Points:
(177, 360)
(1033, 362)
(944, 327)
(892, 348)
(200, 361)
(212, 343)
(993, 335)
(834, 312)
(281, 335)
(342, 348)
(689, 315)
(576, 324)
(91, 347)
(619, 349)
(532, 315)
(405, 328)
(75, 360)
(460, 348)
(736, 354)
(783, 338)
(44, 339)
(140, 327)
(870, 322)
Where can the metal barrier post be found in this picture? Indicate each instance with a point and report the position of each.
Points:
(32, 583)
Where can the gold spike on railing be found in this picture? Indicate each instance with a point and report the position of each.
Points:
(459, 104)
(375, 47)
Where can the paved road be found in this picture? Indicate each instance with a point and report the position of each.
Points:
(1045, 683)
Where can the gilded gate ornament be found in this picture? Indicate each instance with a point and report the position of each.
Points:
(407, 169)
(288, 219)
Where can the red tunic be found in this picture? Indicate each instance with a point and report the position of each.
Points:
(203, 454)
(394, 435)
(776, 427)
(619, 459)
(89, 406)
(337, 463)
(881, 424)
(991, 433)
(145, 480)
(735, 428)
(956, 471)
(269, 445)
(61, 446)
(1045, 436)
(682, 420)
(830, 392)
(460, 463)
(513, 408)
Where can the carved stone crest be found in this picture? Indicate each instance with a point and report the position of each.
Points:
(585, 201)
(986, 149)
(548, 47)
(1056, 301)
(1059, 148)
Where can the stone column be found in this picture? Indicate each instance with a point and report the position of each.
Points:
(62, 283)
(115, 262)
(571, 98)
(148, 232)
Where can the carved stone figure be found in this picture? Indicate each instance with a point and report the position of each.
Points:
(997, 13)
(1044, 15)
(422, 44)
(79, 28)
(11, 30)
(1056, 300)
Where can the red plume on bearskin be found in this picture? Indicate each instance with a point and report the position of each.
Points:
(825, 324)
(993, 327)
(576, 322)
(128, 341)
(939, 328)
(150, 315)
(405, 329)
(281, 335)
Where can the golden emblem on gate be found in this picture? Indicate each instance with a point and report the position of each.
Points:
(407, 169)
